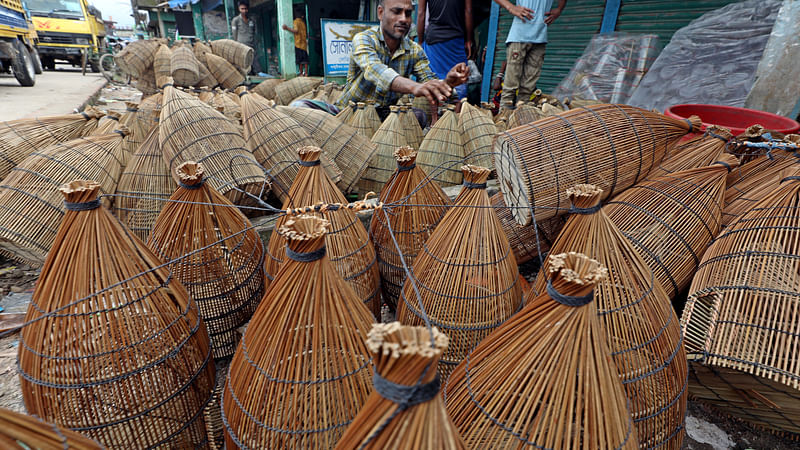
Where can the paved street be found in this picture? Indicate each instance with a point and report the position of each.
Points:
(56, 92)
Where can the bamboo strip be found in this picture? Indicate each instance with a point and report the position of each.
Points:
(23, 432)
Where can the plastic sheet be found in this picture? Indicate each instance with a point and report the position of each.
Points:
(711, 60)
(610, 68)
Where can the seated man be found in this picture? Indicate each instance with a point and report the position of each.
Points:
(384, 58)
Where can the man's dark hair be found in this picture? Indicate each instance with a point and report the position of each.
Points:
(245, 3)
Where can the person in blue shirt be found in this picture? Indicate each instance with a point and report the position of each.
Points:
(525, 46)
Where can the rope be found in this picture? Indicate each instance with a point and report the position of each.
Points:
(586, 211)
(82, 206)
(404, 395)
(470, 185)
(715, 135)
(724, 164)
(791, 178)
(85, 116)
(568, 300)
(406, 168)
(305, 257)
(120, 132)
(192, 186)
(309, 163)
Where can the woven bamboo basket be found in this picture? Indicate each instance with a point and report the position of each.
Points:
(611, 146)
(33, 207)
(442, 150)
(389, 137)
(128, 350)
(137, 57)
(346, 114)
(414, 205)
(348, 244)
(527, 241)
(149, 111)
(205, 78)
(302, 370)
(740, 319)
(274, 138)
(230, 107)
(289, 90)
(545, 379)
(161, 61)
(699, 151)
(524, 113)
(478, 131)
(640, 326)
(147, 82)
(224, 270)
(266, 88)
(404, 358)
(349, 149)
(466, 280)
(200, 49)
(411, 126)
(224, 72)
(671, 219)
(365, 120)
(24, 432)
(183, 67)
(236, 53)
(191, 130)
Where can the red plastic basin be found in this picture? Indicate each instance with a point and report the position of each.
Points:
(736, 119)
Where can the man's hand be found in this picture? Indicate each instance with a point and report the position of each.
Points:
(436, 91)
(523, 13)
(458, 75)
(468, 47)
(285, 27)
(551, 16)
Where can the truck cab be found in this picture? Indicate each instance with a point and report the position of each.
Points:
(67, 29)
(17, 42)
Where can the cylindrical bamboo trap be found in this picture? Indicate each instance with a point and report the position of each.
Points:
(477, 133)
(289, 90)
(740, 321)
(545, 378)
(205, 78)
(127, 361)
(32, 207)
(266, 88)
(224, 72)
(348, 244)
(366, 120)
(200, 49)
(24, 432)
(183, 67)
(699, 151)
(302, 370)
(465, 278)
(224, 270)
(404, 411)
(611, 146)
(640, 326)
(162, 61)
(413, 206)
(236, 53)
(137, 57)
(389, 137)
(525, 112)
(527, 241)
(442, 150)
(671, 219)
(191, 130)
(346, 114)
(411, 126)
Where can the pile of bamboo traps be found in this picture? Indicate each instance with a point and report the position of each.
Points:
(740, 319)
(396, 415)
(236, 53)
(32, 207)
(442, 150)
(274, 139)
(366, 120)
(266, 88)
(19, 138)
(671, 219)
(228, 76)
(544, 378)
(162, 62)
(611, 146)
(302, 370)
(127, 342)
(478, 131)
(411, 126)
(184, 67)
(23, 432)
(191, 130)
(527, 241)
(465, 279)
(349, 149)
(641, 328)
(289, 90)
(223, 271)
(228, 104)
(525, 112)
(417, 204)
(389, 137)
(699, 151)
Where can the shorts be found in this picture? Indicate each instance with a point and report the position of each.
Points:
(300, 56)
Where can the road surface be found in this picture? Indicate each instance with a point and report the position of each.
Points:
(58, 92)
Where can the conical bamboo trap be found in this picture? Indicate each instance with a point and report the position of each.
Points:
(289, 90)
(32, 207)
(640, 326)
(349, 149)
(411, 126)
(405, 356)
(302, 370)
(524, 113)
(347, 242)
(671, 219)
(23, 432)
(135, 135)
(191, 130)
(266, 88)
(414, 205)
(545, 378)
(236, 53)
(346, 114)
(127, 361)
(740, 320)
(90, 125)
(442, 150)
(527, 241)
(200, 49)
(478, 131)
(465, 278)
(204, 76)
(161, 61)
(136, 58)
(699, 151)
(149, 111)
(366, 120)
(224, 72)
(389, 137)
(107, 124)
(183, 67)
(230, 107)
(422, 103)
(224, 270)
(612, 146)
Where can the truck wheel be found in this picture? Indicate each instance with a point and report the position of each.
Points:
(22, 66)
(37, 62)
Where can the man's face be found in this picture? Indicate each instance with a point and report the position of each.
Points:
(395, 17)
(243, 10)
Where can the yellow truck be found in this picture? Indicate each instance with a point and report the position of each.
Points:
(67, 29)
(18, 43)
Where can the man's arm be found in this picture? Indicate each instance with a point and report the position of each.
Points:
(235, 29)
(469, 29)
(422, 9)
(290, 29)
(553, 14)
(521, 12)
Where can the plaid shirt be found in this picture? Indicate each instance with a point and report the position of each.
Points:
(373, 68)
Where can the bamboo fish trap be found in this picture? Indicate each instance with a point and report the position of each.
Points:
(527, 241)
(137, 57)
(346, 114)
(23, 432)
(135, 135)
(224, 72)
(366, 120)
(671, 219)
(524, 113)
(389, 137)
(107, 124)
(477, 133)
(416, 204)
(465, 280)
(149, 111)
(161, 62)
(640, 326)
(396, 415)
(302, 370)
(422, 103)
(200, 49)
(266, 88)
(236, 53)
(348, 244)
(230, 108)
(740, 321)
(545, 379)
(32, 205)
(191, 130)
(442, 150)
(411, 126)
(612, 146)
(183, 67)
(699, 151)
(204, 76)
(289, 90)
(223, 271)
(128, 350)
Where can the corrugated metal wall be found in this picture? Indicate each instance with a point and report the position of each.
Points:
(662, 17)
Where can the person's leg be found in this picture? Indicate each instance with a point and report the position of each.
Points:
(534, 57)
(515, 58)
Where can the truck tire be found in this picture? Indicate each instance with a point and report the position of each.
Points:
(22, 66)
(37, 62)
